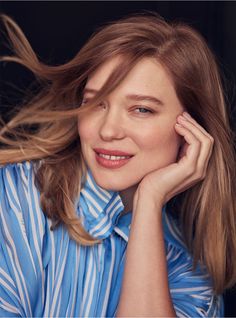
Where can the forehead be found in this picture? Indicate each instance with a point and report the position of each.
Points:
(148, 76)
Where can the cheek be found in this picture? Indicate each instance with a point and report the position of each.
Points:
(161, 145)
(84, 129)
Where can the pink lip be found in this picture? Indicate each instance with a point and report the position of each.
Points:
(111, 152)
(111, 164)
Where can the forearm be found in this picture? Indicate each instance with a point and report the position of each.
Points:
(145, 290)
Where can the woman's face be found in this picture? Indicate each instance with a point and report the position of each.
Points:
(137, 118)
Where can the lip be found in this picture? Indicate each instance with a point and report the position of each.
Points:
(111, 164)
(112, 152)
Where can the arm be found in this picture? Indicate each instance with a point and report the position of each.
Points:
(145, 290)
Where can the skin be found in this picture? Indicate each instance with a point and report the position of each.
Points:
(171, 153)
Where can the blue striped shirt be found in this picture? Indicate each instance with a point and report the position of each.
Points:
(46, 273)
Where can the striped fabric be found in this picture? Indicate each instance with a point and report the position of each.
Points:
(45, 273)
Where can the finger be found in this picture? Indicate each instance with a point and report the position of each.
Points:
(193, 149)
(206, 140)
(201, 149)
(198, 130)
(194, 122)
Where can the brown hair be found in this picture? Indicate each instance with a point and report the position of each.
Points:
(208, 208)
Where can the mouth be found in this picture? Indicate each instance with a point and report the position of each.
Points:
(111, 159)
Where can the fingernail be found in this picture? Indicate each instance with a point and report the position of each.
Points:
(185, 114)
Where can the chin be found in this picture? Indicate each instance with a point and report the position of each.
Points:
(111, 186)
(115, 183)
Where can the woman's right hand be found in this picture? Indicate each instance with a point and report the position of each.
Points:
(163, 184)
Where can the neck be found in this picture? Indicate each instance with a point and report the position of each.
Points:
(127, 197)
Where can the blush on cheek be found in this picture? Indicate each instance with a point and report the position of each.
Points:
(173, 144)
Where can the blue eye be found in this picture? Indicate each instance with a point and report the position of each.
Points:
(144, 110)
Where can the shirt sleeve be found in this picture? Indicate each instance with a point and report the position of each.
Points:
(191, 289)
(21, 242)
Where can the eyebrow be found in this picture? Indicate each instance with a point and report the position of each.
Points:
(135, 97)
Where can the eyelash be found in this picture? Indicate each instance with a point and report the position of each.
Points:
(147, 110)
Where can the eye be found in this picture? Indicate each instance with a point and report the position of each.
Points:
(143, 110)
(84, 101)
(100, 105)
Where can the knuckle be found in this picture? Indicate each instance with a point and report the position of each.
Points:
(201, 173)
(191, 170)
(197, 143)
(201, 176)
(211, 139)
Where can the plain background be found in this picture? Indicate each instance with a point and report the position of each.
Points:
(58, 29)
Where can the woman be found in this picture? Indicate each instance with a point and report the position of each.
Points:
(117, 179)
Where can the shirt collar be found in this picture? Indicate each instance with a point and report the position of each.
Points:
(101, 210)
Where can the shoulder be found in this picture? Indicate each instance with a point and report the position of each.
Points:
(13, 173)
(191, 287)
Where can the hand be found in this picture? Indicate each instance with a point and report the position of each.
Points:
(163, 184)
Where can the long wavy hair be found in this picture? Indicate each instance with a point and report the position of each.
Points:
(45, 129)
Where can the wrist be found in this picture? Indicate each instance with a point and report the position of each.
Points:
(144, 204)
(145, 197)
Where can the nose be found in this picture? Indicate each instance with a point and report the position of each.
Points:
(112, 125)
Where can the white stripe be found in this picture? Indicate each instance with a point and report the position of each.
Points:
(58, 306)
(6, 306)
(3, 283)
(114, 209)
(174, 256)
(200, 297)
(77, 262)
(12, 187)
(91, 208)
(188, 289)
(52, 274)
(92, 288)
(24, 179)
(201, 312)
(19, 216)
(105, 197)
(92, 200)
(88, 275)
(108, 286)
(27, 164)
(99, 225)
(197, 277)
(181, 313)
(100, 249)
(4, 274)
(103, 230)
(112, 205)
(35, 239)
(59, 279)
(37, 206)
(171, 272)
(103, 221)
(38, 212)
(46, 310)
(121, 233)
